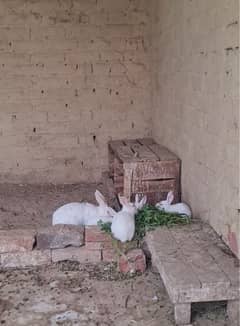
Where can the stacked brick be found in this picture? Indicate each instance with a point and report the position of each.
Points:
(24, 248)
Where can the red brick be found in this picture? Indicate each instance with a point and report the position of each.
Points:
(109, 255)
(25, 259)
(94, 234)
(60, 236)
(135, 262)
(16, 240)
(93, 245)
(81, 255)
(99, 245)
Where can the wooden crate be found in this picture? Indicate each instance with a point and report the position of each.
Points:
(145, 167)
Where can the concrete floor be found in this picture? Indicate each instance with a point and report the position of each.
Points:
(86, 295)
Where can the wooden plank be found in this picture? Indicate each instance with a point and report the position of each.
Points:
(189, 273)
(117, 167)
(177, 189)
(125, 154)
(146, 141)
(153, 185)
(128, 177)
(111, 193)
(157, 170)
(206, 238)
(156, 197)
(130, 142)
(143, 153)
(182, 313)
(233, 312)
(121, 151)
(115, 144)
(212, 292)
(176, 274)
(227, 262)
(162, 152)
(112, 147)
(152, 197)
(118, 179)
(203, 264)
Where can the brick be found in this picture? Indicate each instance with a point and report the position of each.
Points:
(16, 240)
(109, 255)
(60, 236)
(94, 234)
(81, 255)
(99, 245)
(25, 259)
(135, 262)
(88, 56)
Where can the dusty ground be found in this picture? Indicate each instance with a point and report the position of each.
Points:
(70, 294)
(30, 206)
(73, 294)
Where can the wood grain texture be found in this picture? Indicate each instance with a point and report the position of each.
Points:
(190, 271)
(142, 166)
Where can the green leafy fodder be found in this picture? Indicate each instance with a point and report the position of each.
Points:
(149, 217)
(105, 226)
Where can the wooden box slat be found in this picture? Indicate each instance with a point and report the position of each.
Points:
(143, 186)
(143, 166)
(146, 141)
(157, 170)
(162, 152)
(143, 153)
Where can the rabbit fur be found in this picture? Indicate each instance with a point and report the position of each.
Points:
(123, 224)
(84, 213)
(179, 208)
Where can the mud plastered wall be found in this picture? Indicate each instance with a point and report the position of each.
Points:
(196, 108)
(73, 75)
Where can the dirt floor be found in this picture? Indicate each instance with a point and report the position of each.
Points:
(71, 294)
(86, 295)
(30, 206)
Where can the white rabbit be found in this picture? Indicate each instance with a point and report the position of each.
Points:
(123, 224)
(84, 213)
(179, 208)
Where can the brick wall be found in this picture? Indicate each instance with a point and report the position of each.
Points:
(73, 75)
(195, 100)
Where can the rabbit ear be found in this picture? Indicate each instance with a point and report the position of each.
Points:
(170, 197)
(100, 198)
(143, 201)
(136, 199)
(123, 200)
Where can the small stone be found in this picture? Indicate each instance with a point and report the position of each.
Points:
(134, 261)
(60, 236)
(16, 240)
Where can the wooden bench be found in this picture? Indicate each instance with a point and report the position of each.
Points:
(143, 166)
(195, 266)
